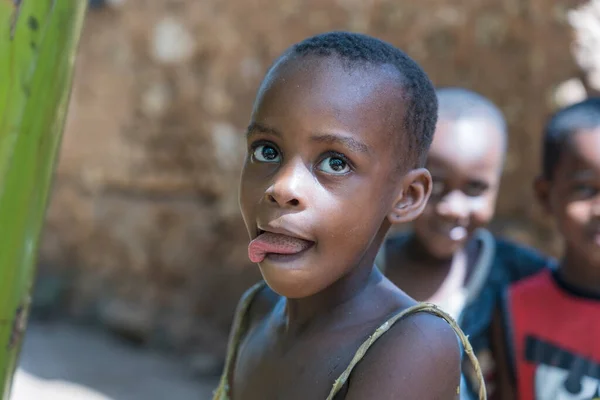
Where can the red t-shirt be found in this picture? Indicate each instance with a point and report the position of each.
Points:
(554, 332)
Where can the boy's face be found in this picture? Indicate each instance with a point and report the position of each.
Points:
(573, 196)
(465, 162)
(319, 172)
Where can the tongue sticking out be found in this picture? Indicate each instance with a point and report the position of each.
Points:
(458, 233)
(275, 243)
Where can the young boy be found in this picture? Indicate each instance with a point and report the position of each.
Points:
(450, 258)
(552, 319)
(336, 143)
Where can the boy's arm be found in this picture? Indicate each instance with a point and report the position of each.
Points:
(417, 359)
(504, 385)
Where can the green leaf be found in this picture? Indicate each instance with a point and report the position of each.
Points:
(38, 42)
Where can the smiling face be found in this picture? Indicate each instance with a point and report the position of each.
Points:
(573, 197)
(320, 176)
(465, 161)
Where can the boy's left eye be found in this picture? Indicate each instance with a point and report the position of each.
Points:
(437, 188)
(334, 165)
(266, 154)
(586, 190)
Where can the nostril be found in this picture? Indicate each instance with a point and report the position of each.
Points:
(281, 199)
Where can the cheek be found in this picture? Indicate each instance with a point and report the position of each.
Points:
(353, 220)
(249, 194)
(576, 213)
(482, 209)
(428, 213)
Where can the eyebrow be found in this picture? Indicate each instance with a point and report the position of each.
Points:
(351, 143)
(330, 138)
(583, 174)
(256, 127)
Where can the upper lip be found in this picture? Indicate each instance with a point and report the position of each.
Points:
(448, 226)
(594, 229)
(273, 228)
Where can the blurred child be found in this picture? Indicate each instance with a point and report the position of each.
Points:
(552, 319)
(449, 258)
(336, 143)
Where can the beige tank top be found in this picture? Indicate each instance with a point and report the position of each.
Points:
(238, 331)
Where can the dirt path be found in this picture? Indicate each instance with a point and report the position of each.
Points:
(61, 361)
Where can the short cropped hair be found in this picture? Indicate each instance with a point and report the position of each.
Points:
(458, 103)
(563, 125)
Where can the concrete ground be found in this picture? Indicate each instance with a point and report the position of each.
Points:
(62, 361)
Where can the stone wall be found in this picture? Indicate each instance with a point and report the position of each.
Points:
(143, 230)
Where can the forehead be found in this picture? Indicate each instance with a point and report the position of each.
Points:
(468, 143)
(321, 93)
(582, 151)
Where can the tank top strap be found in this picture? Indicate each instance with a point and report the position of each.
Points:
(418, 308)
(237, 331)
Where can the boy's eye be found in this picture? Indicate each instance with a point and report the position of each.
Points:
(334, 165)
(474, 189)
(585, 190)
(437, 188)
(266, 153)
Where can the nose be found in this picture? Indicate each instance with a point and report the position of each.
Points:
(596, 206)
(289, 186)
(454, 205)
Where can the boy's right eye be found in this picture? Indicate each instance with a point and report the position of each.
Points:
(437, 188)
(266, 153)
(476, 188)
(585, 190)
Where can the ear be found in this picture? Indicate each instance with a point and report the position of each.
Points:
(412, 197)
(541, 188)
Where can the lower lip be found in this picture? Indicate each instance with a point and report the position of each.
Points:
(286, 258)
(447, 234)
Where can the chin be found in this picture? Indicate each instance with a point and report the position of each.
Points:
(593, 254)
(445, 251)
(292, 283)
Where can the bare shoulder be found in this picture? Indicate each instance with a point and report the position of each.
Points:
(261, 300)
(418, 358)
(254, 305)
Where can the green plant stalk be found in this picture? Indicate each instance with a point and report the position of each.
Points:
(38, 43)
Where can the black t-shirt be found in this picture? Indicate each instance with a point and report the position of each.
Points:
(511, 262)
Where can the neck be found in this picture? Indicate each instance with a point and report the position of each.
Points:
(339, 298)
(418, 253)
(580, 273)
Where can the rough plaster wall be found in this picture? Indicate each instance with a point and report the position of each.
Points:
(144, 227)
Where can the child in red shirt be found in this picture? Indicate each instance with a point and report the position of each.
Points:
(552, 319)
